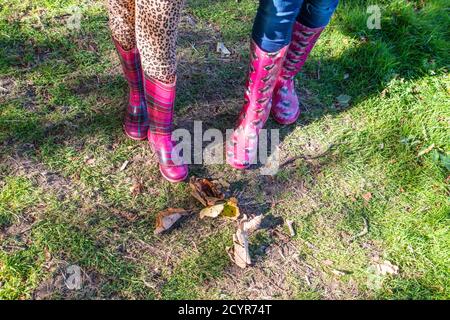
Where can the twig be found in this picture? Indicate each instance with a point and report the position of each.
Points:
(311, 157)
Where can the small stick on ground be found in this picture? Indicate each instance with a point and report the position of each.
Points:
(295, 158)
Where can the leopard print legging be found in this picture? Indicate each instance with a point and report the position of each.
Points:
(152, 26)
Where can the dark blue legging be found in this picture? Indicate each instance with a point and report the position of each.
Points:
(272, 29)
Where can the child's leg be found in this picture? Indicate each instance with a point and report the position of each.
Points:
(121, 22)
(314, 16)
(271, 36)
(272, 28)
(316, 13)
(156, 35)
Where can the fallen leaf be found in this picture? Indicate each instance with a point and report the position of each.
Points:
(167, 218)
(386, 268)
(254, 224)
(129, 216)
(47, 255)
(90, 161)
(205, 191)
(136, 188)
(241, 253)
(338, 272)
(231, 209)
(212, 211)
(341, 272)
(227, 209)
(327, 262)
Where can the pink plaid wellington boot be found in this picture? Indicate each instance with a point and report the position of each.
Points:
(136, 120)
(263, 74)
(160, 98)
(286, 109)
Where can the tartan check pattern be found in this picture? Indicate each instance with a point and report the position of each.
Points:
(136, 122)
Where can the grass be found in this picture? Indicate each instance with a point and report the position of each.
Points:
(64, 201)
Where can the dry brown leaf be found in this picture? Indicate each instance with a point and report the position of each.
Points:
(426, 150)
(167, 218)
(241, 252)
(89, 161)
(327, 262)
(222, 49)
(338, 272)
(253, 224)
(205, 191)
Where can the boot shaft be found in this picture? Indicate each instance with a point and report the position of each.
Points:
(131, 66)
(302, 42)
(160, 99)
(263, 73)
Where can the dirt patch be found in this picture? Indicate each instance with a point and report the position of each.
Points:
(69, 282)
(21, 165)
(268, 277)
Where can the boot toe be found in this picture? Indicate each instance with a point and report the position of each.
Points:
(174, 173)
(284, 118)
(135, 134)
(236, 163)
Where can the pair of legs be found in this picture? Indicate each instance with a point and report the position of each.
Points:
(145, 34)
(275, 20)
(284, 33)
(151, 26)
